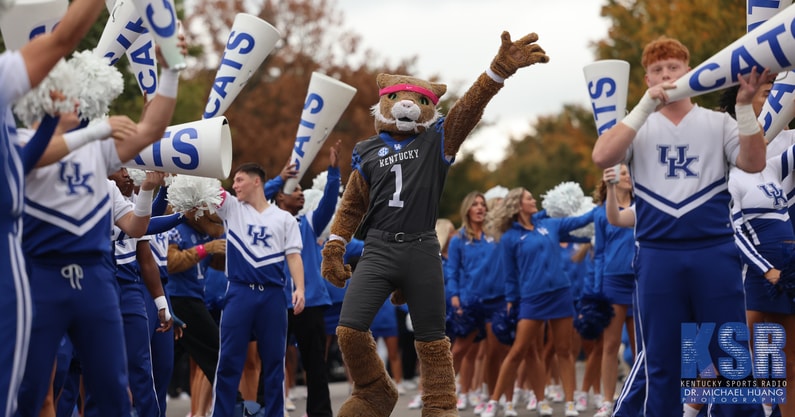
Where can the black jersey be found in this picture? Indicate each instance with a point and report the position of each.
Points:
(406, 180)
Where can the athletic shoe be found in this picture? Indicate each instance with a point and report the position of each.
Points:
(517, 397)
(597, 400)
(416, 402)
(509, 410)
(570, 410)
(479, 408)
(400, 389)
(462, 402)
(606, 410)
(409, 384)
(491, 409)
(532, 401)
(557, 394)
(544, 409)
(580, 400)
(474, 398)
(288, 404)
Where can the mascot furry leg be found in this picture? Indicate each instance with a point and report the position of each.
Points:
(437, 378)
(374, 394)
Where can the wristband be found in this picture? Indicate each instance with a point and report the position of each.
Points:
(747, 125)
(340, 238)
(635, 119)
(161, 303)
(494, 76)
(168, 83)
(201, 251)
(77, 138)
(143, 203)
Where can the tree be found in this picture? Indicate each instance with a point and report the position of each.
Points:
(704, 26)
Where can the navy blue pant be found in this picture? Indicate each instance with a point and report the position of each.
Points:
(81, 301)
(261, 309)
(162, 348)
(15, 318)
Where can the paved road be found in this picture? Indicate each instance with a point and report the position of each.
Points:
(339, 392)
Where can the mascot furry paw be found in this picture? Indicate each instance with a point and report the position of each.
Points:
(391, 202)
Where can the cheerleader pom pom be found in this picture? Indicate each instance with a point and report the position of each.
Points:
(563, 200)
(311, 200)
(586, 205)
(62, 80)
(503, 325)
(461, 325)
(99, 82)
(137, 176)
(319, 182)
(593, 315)
(498, 191)
(187, 192)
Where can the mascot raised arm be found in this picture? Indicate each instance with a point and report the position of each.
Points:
(391, 202)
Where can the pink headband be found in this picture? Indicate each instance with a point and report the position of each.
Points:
(410, 87)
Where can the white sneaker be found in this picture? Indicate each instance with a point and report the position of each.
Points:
(557, 394)
(416, 402)
(570, 410)
(605, 410)
(462, 402)
(580, 400)
(400, 388)
(474, 398)
(509, 410)
(288, 404)
(544, 409)
(479, 408)
(597, 400)
(491, 409)
(532, 401)
(517, 397)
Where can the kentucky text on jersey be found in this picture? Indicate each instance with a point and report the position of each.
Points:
(402, 156)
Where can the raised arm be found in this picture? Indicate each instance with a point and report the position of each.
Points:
(616, 217)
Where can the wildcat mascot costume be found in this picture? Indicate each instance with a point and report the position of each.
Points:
(391, 201)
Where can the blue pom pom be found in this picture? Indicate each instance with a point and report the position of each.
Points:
(461, 325)
(594, 313)
(503, 325)
(786, 282)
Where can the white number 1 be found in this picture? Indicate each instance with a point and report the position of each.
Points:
(396, 201)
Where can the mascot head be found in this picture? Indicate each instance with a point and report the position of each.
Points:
(407, 105)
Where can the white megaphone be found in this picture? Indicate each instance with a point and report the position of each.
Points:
(122, 29)
(250, 41)
(160, 19)
(143, 64)
(326, 100)
(608, 83)
(758, 12)
(30, 18)
(770, 45)
(202, 148)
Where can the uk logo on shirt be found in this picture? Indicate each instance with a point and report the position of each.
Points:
(71, 175)
(259, 235)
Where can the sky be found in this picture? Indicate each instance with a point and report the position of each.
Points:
(457, 39)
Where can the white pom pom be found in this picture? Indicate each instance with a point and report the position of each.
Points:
(187, 192)
(319, 182)
(563, 200)
(99, 82)
(31, 107)
(498, 191)
(137, 176)
(586, 205)
(311, 200)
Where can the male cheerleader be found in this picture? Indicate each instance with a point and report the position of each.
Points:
(262, 239)
(67, 241)
(687, 265)
(20, 71)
